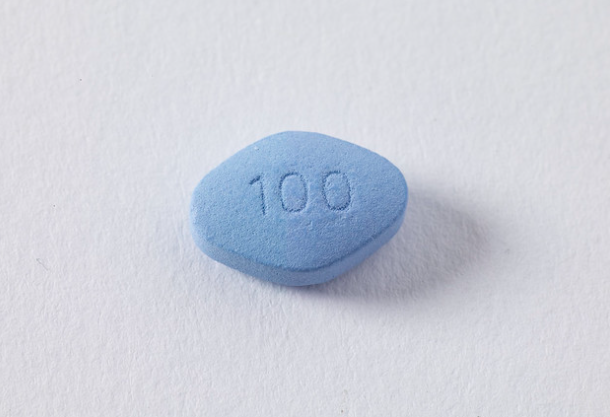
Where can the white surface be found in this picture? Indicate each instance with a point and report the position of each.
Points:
(493, 299)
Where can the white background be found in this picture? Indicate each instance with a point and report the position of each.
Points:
(492, 300)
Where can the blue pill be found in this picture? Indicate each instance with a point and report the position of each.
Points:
(298, 208)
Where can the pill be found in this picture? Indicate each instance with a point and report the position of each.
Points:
(298, 208)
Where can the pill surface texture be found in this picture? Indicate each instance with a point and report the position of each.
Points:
(298, 208)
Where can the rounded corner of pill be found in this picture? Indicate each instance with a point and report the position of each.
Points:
(404, 183)
(283, 135)
(400, 177)
(298, 134)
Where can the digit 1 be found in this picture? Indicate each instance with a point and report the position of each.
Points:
(260, 184)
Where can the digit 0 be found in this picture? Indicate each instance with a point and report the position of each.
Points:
(337, 191)
(293, 192)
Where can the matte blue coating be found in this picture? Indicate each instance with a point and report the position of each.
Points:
(298, 208)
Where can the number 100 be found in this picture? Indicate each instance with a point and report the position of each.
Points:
(336, 190)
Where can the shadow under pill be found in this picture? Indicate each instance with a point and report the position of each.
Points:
(435, 244)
